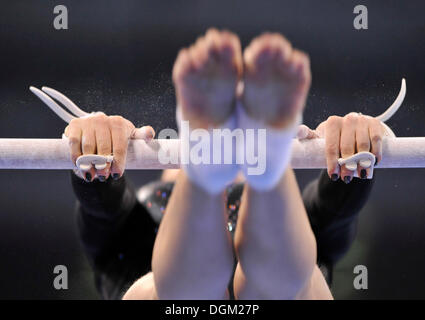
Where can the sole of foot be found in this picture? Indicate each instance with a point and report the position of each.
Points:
(205, 77)
(277, 79)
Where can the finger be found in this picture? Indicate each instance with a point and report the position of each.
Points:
(66, 130)
(119, 149)
(332, 139)
(305, 132)
(88, 145)
(348, 144)
(104, 148)
(376, 134)
(91, 174)
(74, 140)
(146, 133)
(320, 130)
(362, 143)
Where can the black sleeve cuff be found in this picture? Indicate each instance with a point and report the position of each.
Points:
(106, 200)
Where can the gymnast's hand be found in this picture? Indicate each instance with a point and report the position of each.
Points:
(346, 136)
(103, 135)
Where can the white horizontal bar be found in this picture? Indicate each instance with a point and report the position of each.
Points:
(307, 154)
(396, 153)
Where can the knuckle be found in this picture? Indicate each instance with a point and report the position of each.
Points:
(116, 118)
(377, 125)
(99, 118)
(362, 121)
(375, 138)
(374, 121)
(74, 122)
(351, 118)
(333, 120)
(73, 140)
(117, 121)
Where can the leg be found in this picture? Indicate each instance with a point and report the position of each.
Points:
(192, 257)
(193, 254)
(276, 246)
(142, 289)
(169, 175)
(274, 241)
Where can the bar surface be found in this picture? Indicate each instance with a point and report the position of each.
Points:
(307, 154)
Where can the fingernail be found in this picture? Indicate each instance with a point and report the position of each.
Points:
(334, 177)
(347, 179)
(115, 176)
(88, 177)
(102, 178)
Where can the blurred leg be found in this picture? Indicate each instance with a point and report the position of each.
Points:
(170, 175)
(276, 246)
(193, 255)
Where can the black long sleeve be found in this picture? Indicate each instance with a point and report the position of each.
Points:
(118, 232)
(333, 209)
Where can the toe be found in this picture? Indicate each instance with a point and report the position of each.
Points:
(183, 65)
(283, 50)
(269, 50)
(198, 55)
(231, 53)
(212, 43)
(299, 66)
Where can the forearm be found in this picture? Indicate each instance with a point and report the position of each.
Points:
(102, 210)
(333, 208)
(104, 200)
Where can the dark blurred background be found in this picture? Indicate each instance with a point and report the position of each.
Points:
(117, 57)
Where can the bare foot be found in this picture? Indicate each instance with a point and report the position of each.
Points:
(276, 80)
(205, 76)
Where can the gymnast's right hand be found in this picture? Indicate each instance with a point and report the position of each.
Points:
(103, 135)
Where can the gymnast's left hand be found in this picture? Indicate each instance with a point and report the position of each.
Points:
(344, 137)
(103, 135)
